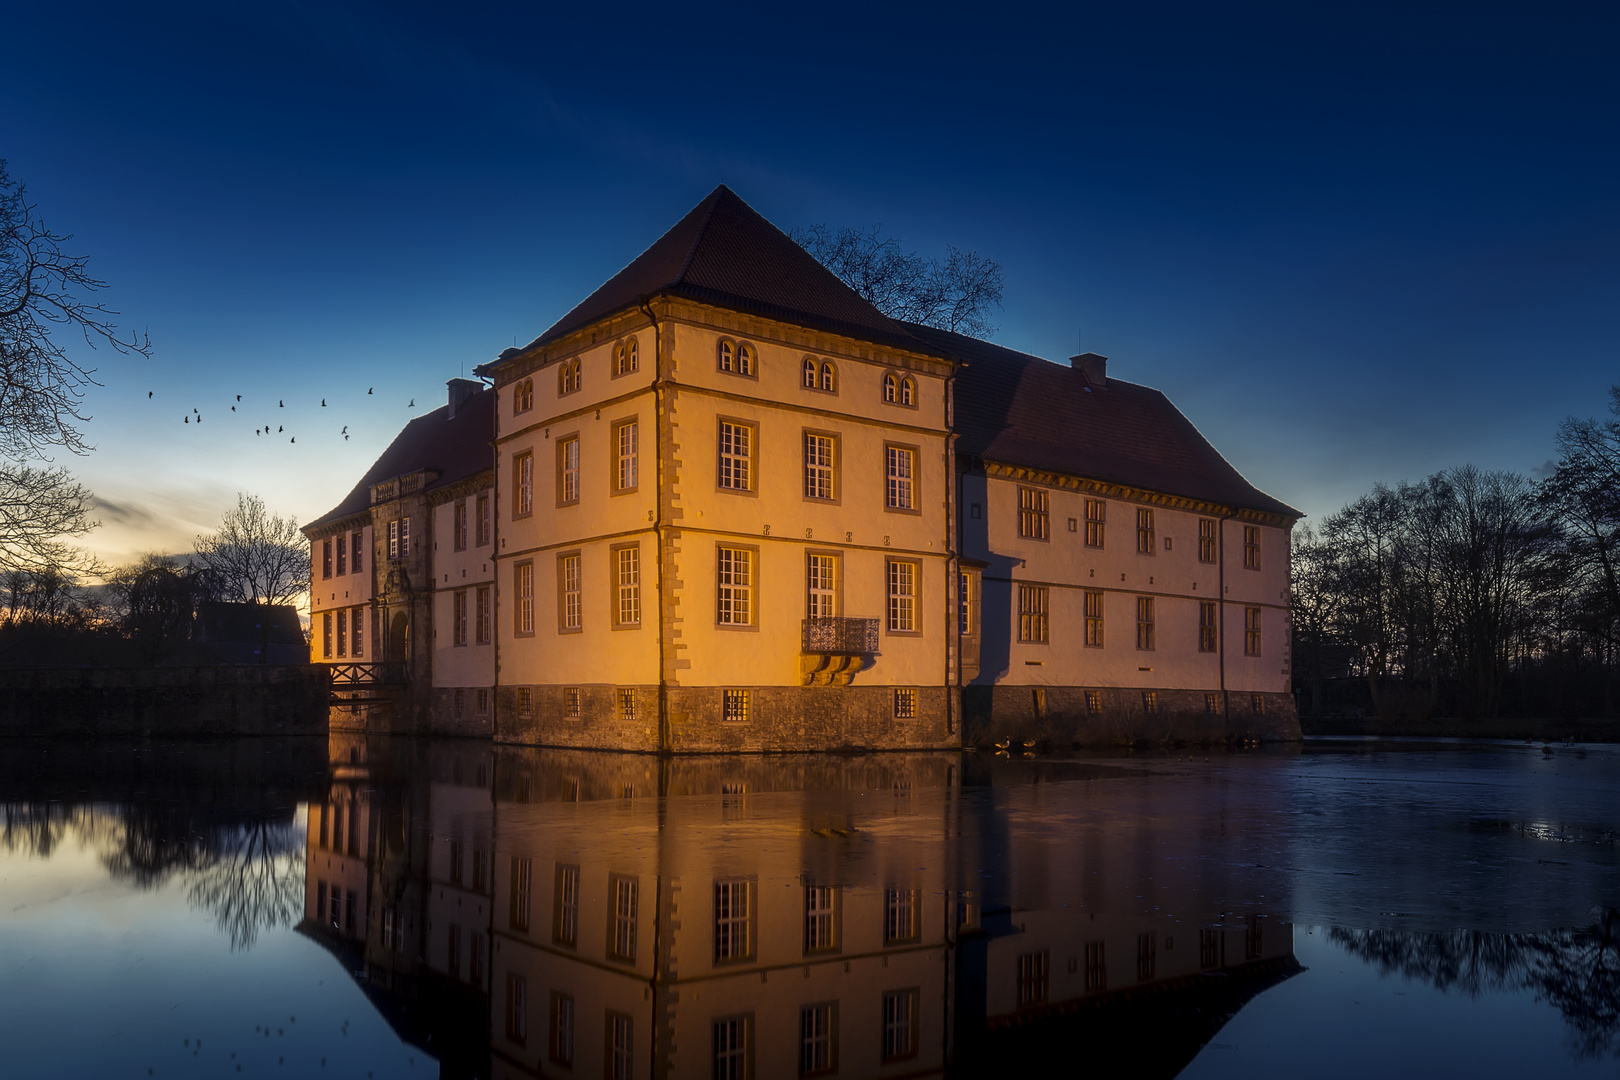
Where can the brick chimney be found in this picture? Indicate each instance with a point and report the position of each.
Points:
(460, 391)
(1092, 366)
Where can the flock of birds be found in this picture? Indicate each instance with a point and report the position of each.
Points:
(195, 416)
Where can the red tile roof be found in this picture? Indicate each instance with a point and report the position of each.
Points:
(1019, 409)
(458, 448)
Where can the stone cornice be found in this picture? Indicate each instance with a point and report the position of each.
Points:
(1129, 493)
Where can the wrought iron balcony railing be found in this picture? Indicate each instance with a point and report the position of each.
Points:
(841, 637)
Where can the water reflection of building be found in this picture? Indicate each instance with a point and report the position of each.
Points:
(568, 913)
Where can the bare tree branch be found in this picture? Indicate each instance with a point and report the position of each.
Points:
(954, 295)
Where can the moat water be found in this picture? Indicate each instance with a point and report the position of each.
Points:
(406, 908)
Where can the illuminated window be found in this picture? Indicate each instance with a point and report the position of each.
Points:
(736, 456)
(905, 703)
(902, 579)
(623, 896)
(523, 485)
(626, 357)
(1144, 623)
(1150, 701)
(1251, 631)
(1251, 547)
(818, 1039)
(568, 576)
(519, 900)
(735, 587)
(964, 604)
(908, 391)
(726, 357)
(1096, 518)
(1034, 975)
(1093, 701)
(821, 586)
(1212, 703)
(1257, 704)
(747, 359)
(1144, 532)
(568, 471)
(1094, 620)
(809, 373)
(627, 586)
(526, 702)
(734, 706)
(627, 454)
(326, 635)
(627, 706)
(733, 921)
(459, 622)
(523, 585)
(1032, 613)
(899, 1024)
(1206, 540)
(829, 377)
(891, 389)
(1033, 521)
(902, 478)
(900, 921)
(571, 706)
(819, 462)
(820, 918)
(565, 920)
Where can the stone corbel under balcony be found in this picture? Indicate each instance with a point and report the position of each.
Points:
(835, 650)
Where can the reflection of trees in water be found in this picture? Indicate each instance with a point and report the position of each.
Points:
(248, 874)
(1576, 971)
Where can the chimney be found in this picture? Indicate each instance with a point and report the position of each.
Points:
(460, 391)
(1092, 367)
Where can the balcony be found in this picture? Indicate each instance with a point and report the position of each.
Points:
(834, 650)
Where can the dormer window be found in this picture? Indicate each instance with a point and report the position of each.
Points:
(523, 397)
(626, 357)
(568, 376)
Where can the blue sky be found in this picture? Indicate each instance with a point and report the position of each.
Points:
(1353, 242)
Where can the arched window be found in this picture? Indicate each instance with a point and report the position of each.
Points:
(908, 391)
(567, 376)
(728, 353)
(809, 373)
(745, 359)
(891, 388)
(829, 377)
(632, 351)
(573, 375)
(626, 357)
(523, 397)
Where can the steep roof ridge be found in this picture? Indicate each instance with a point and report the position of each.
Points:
(697, 238)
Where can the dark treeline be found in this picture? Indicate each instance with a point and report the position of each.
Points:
(1469, 593)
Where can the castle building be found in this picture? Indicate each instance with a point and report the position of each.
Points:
(734, 507)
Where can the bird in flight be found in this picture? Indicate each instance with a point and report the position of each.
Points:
(293, 439)
(188, 420)
(233, 408)
(281, 404)
(345, 429)
(238, 397)
(149, 395)
(323, 403)
(279, 429)
(412, 405)
(370, 389)
(345, 438)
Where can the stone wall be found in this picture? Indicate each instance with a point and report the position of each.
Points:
(1113, 716)
(165, 701)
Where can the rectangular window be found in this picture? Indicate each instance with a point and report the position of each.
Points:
(393, 539)
(1096, 511)
(1094, 701)
(1032, 613)
(1034, 977)
(1096, 966)
(902, 478)
(1147, 957)
(734, 706)
(733, 925)
(1251, 547)
(1144, 623)
(1206, 540)
(819, 464)
(1211, 949)
(459, 622)
(735, 587)
(478, 871)
(964, 610)
(1212, 703)
(357, 624)
(326, 635)
(571, 709)
(902, 577)
(485, 614)
(820, 918)
(905, 703)
(562, 1029)
(517, 1008)
(483, 520)
(1209, 636)
(736, 456)
(455, 862)
(627, 586)
(565, 915)
(475, 960)
(404, 537)
(620, 1062)
(342, 555)
(526, 702)
(1257, 704)
(731, 1056)
(326, 558)
(523, 485)
(1094, 620)
(1251, 631)
(358, 546)
(899, 915)
(623, 898)
(571, 609)
(818, 1039)
(568, 471)
(343, 633)
(483, 701)
(626, 456)
(1253, 939)
(1144, 532)
(627, 704)
(1033, 520)
(460, 528)
(899, 1024)
(821, 596)
(1150, 701)
(523, 585)
(522, 874)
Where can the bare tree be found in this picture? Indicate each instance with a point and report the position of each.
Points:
(44, 290)
(252, 880)
(954, 295)
(256, 556)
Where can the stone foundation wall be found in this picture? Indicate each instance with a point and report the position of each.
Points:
(251, 699)
(468, 721)
(1114, 716)
(599, 725)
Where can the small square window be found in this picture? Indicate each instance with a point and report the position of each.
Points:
(1212, 703)
(627, 704)
(1093, 701)
(1150, 702)
(571, 709)
(905, 703)
(734, 707)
